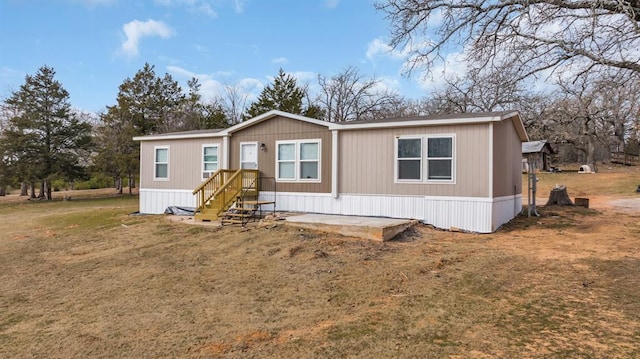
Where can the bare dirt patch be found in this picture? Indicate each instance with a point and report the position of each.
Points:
(111, 285)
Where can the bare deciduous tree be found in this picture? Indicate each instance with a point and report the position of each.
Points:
(531, 35)
(480, 90)
(348, 96)
(593, 115)
(233, 102)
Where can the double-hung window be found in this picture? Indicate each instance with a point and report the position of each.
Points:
(427, 158)
(440, 158)
(298, 160)
(309, 160)
(409, 151)
(286, 161)
(209, 160)
(161, 163)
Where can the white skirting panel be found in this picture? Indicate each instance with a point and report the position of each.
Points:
(505, 209)
(466, 213)
(482, 215)
(155, 201)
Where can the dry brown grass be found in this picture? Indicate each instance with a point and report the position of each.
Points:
(84, 279)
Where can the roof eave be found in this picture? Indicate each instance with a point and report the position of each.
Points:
(177, 136)
(274, 113)
(430, 122)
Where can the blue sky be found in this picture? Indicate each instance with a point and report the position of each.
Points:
(94, 45)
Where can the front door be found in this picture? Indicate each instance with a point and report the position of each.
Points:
(249, 155)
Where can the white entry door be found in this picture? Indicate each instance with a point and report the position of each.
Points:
(249, 155)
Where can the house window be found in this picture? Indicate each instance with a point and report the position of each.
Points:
(287, 161)
(161, 163)
(409, 153)
(440, 158)
(298, 160)
(425, 159)
(309, 160)
(209, 160)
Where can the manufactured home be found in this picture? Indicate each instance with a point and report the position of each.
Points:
(451, 171)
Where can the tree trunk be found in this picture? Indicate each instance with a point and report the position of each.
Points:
(591, 149)
(33, 191)
(559, 197)
(131, 184)
(24, 189)
(47, 186)
(42, 190)
(3, 191)
(119, 185)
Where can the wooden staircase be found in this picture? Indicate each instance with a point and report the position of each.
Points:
(243, 211)
(229, 195)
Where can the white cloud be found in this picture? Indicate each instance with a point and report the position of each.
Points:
(304, 76)
(201, 48)
(137, 30)
(379, 48)
(280, 60)
(452, 66)
(251, 84)
(387, 83)
(331, 4)
(179, 71)
(207, 10)
(239, 6)
(211, 86)
(192, 6)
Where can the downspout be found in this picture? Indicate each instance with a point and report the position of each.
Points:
(334, 163)
(225, 148)
(491, 160)
(493, 215)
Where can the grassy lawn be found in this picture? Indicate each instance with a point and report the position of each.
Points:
(83, 278)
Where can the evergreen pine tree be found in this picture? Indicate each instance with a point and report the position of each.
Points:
(45, 138)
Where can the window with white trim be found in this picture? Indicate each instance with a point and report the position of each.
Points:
(309, 160)
(209, 160)
(409, 154)
(161, 163)
(298, 160)
(286, 161)
(440, 158)
(426, 158)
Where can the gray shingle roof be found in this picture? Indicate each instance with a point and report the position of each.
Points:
(533, 146)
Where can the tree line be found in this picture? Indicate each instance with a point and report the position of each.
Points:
(587, 50)
(43, 138)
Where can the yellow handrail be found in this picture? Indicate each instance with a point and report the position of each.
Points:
(241, 180)
(225, 185)
(207, 189)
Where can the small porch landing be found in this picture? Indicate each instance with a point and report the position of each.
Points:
(374, 228)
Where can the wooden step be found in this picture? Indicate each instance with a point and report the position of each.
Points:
(239, 215)
(257, 203)
(245, 209)
(231, 221)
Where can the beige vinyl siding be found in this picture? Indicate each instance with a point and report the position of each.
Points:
(282, 129)
(507, 160)
(185, 162)
(367, 163)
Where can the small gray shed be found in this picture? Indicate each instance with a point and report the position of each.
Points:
(537, 153)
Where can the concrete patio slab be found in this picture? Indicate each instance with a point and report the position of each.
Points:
(374, 228)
